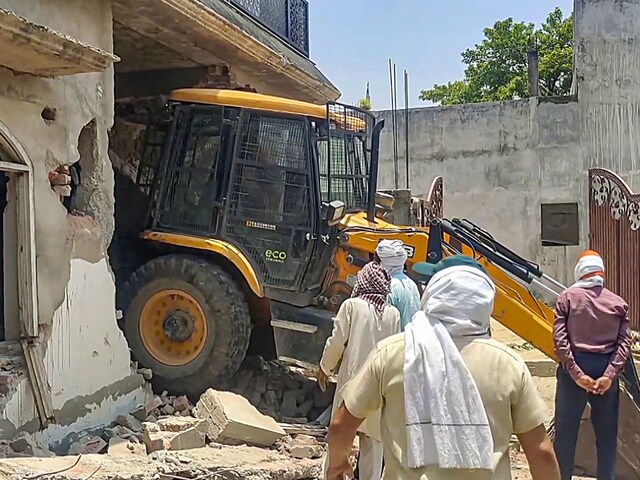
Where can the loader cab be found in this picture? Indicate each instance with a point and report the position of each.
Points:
(270, 176)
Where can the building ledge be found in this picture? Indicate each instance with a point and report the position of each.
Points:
(35, 49)
(210, 32)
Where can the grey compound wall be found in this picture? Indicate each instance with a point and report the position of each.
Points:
(499, 162)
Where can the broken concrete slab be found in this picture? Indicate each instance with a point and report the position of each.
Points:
(231, 419)
(180, 424)
(187, 440)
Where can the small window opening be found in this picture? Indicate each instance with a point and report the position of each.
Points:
(560, 226)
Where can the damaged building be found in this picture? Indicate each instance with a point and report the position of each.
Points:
(77, 86)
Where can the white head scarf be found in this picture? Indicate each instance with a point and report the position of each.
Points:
(461, 297)
(392, 255)
(589, 271)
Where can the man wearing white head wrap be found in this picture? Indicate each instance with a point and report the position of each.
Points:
(592, 341)
(404, 293)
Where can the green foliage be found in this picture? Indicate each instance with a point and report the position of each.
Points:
(365, 104)
(497, 67)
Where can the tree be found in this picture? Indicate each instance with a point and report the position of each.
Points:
(497, 67)
(365, 104)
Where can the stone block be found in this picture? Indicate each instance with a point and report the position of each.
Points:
(151, 405)
(155, 441)
(181, 424)
(181, 404)
(231, 419)
(289, 405)
(306, 451)
(188, 439)
(130, 422)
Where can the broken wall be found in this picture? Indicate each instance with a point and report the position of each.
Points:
(499, 162)
(87, 358)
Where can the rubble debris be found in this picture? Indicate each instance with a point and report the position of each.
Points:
(130, 422)
(174, 433)
(25, 443)
(281, 392)
(180, 404)
(119, 431)
(87, 445)
(122, 446)
(146, 373)
(140, 413)
(301, 447)
(316, 431)
(153, 404)
(231, 419)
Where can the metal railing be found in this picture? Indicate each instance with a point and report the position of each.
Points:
(288, 19)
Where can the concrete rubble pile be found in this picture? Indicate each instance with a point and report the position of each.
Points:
(281, 393)
(167, 428)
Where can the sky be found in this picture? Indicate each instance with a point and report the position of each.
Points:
(351, 41)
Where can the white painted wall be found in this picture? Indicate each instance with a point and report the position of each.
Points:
(85, 353)
(87, 358)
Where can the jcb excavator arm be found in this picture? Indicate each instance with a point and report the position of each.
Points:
(516, 307)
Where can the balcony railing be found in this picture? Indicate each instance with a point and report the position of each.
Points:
(287, 18)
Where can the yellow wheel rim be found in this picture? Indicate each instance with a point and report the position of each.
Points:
(173, 327)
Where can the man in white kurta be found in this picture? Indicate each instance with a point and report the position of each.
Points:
(362, 321)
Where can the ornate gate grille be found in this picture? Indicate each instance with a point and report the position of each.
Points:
(614, 231)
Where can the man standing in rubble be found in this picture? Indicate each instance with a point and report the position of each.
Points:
(451, 397)
(592, 341)
(362, 321)
(404, 292)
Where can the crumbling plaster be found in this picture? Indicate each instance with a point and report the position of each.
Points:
(87, 356)
(500, 161)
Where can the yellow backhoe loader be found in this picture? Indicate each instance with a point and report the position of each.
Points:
(261, 210)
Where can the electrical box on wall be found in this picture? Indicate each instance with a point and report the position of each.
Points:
(560, 226)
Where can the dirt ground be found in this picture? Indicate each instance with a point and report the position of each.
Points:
(210, 463)
(546, 387)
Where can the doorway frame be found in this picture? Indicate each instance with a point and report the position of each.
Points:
(22, 167)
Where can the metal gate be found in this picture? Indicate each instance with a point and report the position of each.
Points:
(614, 231)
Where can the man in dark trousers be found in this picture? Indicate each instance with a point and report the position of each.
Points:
(592, 340)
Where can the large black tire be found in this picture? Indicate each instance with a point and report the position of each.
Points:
(225, 310)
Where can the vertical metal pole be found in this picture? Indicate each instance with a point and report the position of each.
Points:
(406, 128)
(393, 127)
(534, 73)
(395, 117)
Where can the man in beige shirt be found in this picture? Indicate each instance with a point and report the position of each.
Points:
(509, 396)
(360, 324)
